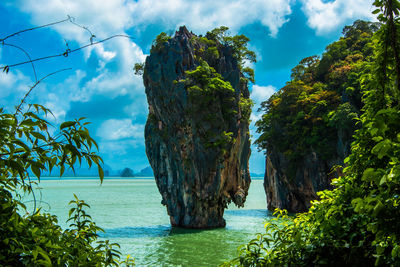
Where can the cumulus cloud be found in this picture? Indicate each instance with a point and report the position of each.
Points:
(113, 76)
(261, 93)
(258, 95)
(326, 16)
(115, 129)
(207, 14)
(110, 16)
(13, 86)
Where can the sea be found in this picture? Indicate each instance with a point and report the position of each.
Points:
(131, 213)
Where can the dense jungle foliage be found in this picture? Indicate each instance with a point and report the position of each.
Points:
(357, 223)
(323, 100)
(29, 146)
(31, 237)
(207, 89)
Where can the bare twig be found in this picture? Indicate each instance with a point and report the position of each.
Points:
(18, 108)
(35, 28)
(28, 56)
(72, 20)
(67, 52)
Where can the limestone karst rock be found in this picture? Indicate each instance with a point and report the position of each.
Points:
(293, 186)
(197, 131)
(294, 192)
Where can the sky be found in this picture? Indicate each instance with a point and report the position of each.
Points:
(100, 83)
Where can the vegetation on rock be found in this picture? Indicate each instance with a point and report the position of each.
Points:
(322, 98)
(197, 137)
(356, 224)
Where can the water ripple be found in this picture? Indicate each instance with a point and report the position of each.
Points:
(137, 232)
(260, 213)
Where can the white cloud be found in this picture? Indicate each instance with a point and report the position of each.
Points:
(115, 148)
(261, 93)
(258, 95)
(105, 17)
(114, 129)
(325, 17)
(13, 86)
(207, 14)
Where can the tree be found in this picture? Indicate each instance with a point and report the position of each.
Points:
(28, 144)
(306, 69)
(357, 223)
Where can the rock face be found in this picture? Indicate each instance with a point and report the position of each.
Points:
(198, 152)
(294, 188)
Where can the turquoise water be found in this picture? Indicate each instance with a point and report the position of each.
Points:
(130, 212)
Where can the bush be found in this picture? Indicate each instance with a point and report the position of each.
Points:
(357, 223)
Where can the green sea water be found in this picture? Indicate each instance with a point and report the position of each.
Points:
(131, 213)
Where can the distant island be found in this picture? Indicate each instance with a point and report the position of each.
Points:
(85, 171)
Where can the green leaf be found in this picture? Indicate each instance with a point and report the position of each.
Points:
(396, 251)
(382, 148)
(376, 11)
(38, 135)
(67, 124)
(101, 172)
(62, 169)
(36, 171)
(378, 208)
(368, 173)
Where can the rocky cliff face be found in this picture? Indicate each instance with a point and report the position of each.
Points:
(197, 140)
(293, 187)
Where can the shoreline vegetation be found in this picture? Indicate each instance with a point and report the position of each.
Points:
(357, 222)
(354, 224)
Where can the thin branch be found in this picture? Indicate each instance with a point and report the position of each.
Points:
(33, 194)
(35, 28)
(29, 57)
(72, 20)
(66, 53)
(18, 108)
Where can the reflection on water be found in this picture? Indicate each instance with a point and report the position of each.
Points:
(167, 230)
(261, 213)
(131, 214)
(174, 246)
(137, 232)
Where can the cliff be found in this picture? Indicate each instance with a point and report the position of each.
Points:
(294, 187)
(197, 131)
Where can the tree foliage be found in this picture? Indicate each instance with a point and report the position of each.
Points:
(30, 145)
(357, 223)
(305, 109)
(207, 89)
(238, 44)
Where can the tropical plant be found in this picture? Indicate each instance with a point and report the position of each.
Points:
(30, 145)
(357, 223)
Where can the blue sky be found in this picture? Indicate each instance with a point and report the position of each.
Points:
(102, 86)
